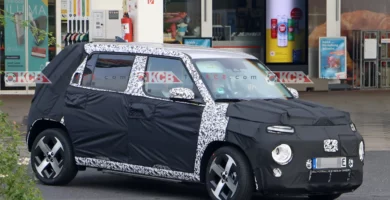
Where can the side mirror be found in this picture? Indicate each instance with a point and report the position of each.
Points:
(294, 92)
(181, 93)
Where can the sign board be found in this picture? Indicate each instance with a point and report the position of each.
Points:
(385, 40)
(332, 58)
(64, 9)
(370, 48)
(25, 53)
(198, 41)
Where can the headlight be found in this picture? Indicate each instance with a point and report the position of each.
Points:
(361, 151)
(282, 154)
(280, 129)
(353, 127)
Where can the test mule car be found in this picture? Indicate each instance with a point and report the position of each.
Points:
(188, 114)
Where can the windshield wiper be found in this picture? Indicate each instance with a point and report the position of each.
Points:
(229, 100)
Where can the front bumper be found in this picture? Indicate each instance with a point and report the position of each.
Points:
(299, 178)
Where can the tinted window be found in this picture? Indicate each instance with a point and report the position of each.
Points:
(87, 74)
(163, 74)
(236, 78)
(109, 72)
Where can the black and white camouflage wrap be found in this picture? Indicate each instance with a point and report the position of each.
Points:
(181, 93)
(213, 123)
(331, 146)
(135, 169)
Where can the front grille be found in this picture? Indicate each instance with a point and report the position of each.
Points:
(324, 122)
(319, 178)
(329, 177)
(339, 177)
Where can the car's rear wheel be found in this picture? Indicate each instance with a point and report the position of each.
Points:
(229, 175)
(52, 158)
(325, 197)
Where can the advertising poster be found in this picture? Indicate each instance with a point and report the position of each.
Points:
(332, 58)
(14, 34)
(203, 42)
(37, 44)
(64, 9)
(285, 31)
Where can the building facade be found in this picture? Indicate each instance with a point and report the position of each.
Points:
(239, 25)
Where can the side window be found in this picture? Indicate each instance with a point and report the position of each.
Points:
(87, 74)
(108, 71)
(163, 74)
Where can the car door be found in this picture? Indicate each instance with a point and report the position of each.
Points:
(96, 110)
(164, 133)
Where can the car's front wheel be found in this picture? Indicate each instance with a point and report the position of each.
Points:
(52, 158)
(229, 175)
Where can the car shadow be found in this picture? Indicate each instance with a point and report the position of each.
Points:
(92, 182)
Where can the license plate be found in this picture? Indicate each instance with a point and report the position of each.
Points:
(330, 163)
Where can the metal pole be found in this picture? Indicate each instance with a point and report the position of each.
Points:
(361, 58)
(353, 58)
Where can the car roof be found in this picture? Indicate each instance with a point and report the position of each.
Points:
(194, 52)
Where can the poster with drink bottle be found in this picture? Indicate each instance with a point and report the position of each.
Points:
(285, 31)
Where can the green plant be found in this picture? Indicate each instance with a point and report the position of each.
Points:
(42, 34)
(15, 182)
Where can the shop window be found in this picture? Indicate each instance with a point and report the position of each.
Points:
(359, 15)
(182, 18)
(163, 74)
(233, 19)
(44, 17)
(239, 24)
(317, 27)
(108, 71)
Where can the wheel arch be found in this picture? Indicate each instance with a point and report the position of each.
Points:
(40, 125)
(212, 147)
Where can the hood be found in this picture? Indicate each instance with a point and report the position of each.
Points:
(294, 112)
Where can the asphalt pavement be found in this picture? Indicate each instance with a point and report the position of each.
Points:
(370, 110)
(94, 185)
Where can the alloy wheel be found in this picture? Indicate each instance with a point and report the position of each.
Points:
(224, 179)
(49, 157)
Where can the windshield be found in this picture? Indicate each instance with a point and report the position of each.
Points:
(232, 78)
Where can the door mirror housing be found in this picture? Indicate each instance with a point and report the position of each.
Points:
(181, 93)
(294, 92)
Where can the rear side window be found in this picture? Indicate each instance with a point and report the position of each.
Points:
(108, 71)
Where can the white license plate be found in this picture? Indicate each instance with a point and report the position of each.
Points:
(330, 163)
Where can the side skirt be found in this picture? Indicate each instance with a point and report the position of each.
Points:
(136, 169)
(140, 176)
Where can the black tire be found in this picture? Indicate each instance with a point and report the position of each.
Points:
(325, 197)
(240, 175)
(63, 158)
